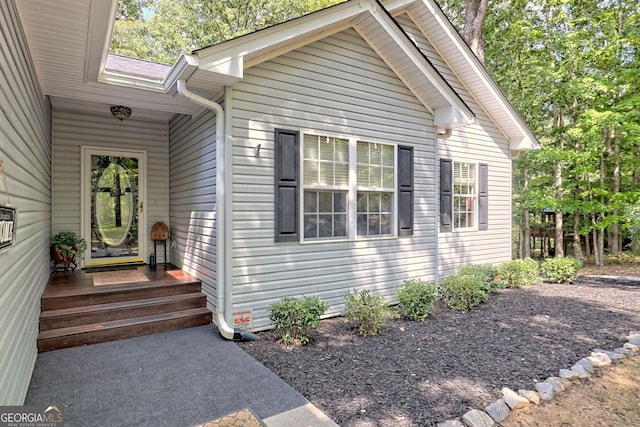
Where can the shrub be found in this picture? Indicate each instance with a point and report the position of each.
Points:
(488, 273)
(416, 298)
(519, 272)
(463, 291)
(367, 311)
(560, 270)
(294, 318)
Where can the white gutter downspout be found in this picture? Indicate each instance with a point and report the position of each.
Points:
(223, 287)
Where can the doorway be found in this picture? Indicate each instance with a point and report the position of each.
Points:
(113, 199)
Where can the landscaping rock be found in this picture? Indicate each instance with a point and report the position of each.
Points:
(513, 400)
(623, 351)
(586, 365)
(570, 374)
(635, 340)
(545, 390)
(599, 359)
(631, 347)
(530, 395)
(498, 410)
(558, 383)
(612, 355)
(477, 418)
(451, 423)
(581, 371)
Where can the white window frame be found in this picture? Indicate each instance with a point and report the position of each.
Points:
(474, 209)
(352, 191)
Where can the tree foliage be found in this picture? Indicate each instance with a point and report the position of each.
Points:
(161, 30)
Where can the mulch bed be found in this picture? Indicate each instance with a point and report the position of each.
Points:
(422, 373)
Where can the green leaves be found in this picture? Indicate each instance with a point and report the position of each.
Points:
(294, 318)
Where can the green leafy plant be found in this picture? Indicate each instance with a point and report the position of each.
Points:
(560, 270)
(67, 244)
(369, 312)
(488, 273)
(294, 318)
(416, 298)
(462, 292)
(519, 272)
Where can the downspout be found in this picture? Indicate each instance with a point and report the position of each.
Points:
(223, 287)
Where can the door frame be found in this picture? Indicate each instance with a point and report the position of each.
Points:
(85, 203)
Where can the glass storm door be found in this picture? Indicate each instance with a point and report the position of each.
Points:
(113, 206)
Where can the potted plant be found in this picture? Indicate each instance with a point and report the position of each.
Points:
(64, 247)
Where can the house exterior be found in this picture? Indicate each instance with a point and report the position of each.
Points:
(352, 148)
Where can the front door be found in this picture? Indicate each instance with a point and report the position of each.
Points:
(113, 206)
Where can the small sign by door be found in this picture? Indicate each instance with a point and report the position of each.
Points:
(7, 226)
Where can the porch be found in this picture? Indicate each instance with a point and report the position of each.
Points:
(78, 309)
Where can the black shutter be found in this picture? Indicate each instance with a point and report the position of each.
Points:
(405, 190)
(483, 196)
(287, 176)
(446, 194)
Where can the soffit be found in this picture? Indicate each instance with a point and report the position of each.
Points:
(66, 40)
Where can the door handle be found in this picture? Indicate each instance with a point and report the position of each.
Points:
(141, 207)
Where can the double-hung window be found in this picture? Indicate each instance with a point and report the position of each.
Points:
(340, 188)
(339, 171)
(463, 195)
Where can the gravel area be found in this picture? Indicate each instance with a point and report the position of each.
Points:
(422, 373)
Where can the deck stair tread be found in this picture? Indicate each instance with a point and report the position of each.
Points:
(75, 312)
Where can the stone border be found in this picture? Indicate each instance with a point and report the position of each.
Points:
(547, 389)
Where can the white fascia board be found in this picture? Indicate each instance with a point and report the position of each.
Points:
(225, 54)
(183, 69)
(130, 82)
(102, 15)
(462, 111)
(519, 130)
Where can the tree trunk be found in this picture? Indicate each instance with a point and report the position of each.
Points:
(577, 246)
(474, 14)
(615, 244)
(558, 121)
(526, 244)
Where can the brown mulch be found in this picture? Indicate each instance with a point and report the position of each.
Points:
(422, 373)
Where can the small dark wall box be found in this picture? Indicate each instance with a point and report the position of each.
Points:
(8, 216)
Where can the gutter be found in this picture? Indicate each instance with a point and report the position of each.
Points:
(223, 286)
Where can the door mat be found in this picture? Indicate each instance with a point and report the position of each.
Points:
(244, 418)
(118, 277)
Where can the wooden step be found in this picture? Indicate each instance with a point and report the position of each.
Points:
(67, 298)
(88, 314)
(74, 336)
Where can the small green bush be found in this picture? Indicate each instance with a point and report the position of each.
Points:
(416, 298)
(294, 318)
(560, 270)
(488, 273)
(369, 312)
(519, 272)
(463, 291)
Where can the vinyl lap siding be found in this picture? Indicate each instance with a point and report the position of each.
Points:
(334, 86)
(192, 197)
(25, 148)
(72, 130)
(482, 143)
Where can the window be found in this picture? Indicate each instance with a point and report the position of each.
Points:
(347, 188)
(463, 195)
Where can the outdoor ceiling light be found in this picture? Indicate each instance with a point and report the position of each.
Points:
(120, 112)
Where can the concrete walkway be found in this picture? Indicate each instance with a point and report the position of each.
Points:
(180, 378)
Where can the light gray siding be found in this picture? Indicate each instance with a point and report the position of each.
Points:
(25, 147)
(478, 143)
(337, 86)
(72, 130)
(192, 196)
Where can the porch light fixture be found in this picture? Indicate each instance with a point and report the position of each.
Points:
(120, 112)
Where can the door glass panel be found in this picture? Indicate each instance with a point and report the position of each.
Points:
(114, 206)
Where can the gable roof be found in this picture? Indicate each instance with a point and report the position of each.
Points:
(82, 71)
